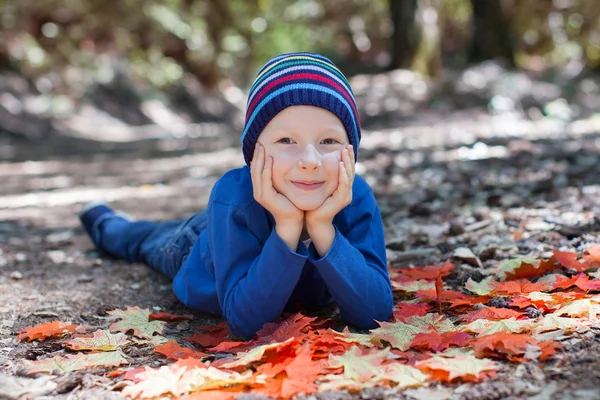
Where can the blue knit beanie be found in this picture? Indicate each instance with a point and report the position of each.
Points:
(298, 79)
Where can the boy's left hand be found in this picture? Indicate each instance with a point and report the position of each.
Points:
(340, 198)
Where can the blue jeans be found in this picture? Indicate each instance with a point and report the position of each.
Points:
(163, 246)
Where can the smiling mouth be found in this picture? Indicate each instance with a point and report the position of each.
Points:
(308, 185)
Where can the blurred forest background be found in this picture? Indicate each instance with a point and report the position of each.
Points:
(133, 59)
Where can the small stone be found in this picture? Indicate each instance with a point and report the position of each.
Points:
(57, 256)
(16, 275)
(135, 285)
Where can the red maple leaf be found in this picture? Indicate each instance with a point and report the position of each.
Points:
(439, 341)
(520, 286)
(491, 313)
(569, 260)
(272, 332)
(404, 310)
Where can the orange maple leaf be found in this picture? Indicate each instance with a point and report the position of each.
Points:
(303, 367)
(593, 256)
(165, 316)
(569, 260)
(549, 348)
(491, 313)
(53, 329)
(527, 270)
(404, 310)
(439, 341)
(438, 292)
(428, 272)
(502, 343)
(520, 286)
(175, 351)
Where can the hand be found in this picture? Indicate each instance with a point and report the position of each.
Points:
(261, 172)
(340, 198)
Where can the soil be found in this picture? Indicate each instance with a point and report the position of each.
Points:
(499, 185)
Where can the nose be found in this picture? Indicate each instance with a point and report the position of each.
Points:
(310, 158)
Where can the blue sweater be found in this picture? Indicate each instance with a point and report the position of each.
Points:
(240, 268)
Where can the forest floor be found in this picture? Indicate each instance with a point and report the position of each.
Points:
(447, 173)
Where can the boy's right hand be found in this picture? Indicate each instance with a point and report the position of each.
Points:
(261, 172)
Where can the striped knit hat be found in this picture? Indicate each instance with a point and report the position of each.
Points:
(298, 79)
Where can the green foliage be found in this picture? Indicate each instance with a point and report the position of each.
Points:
(156, 42)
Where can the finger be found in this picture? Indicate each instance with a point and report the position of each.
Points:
(267, 184)
(255, 171)
(352, 160)
(347, 162)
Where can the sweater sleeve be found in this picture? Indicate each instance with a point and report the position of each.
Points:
(355, 268)
(254, 281)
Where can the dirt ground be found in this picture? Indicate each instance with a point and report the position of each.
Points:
(501, 185)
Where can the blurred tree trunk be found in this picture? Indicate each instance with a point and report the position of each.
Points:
(427, 59)
(491, 33)
(406, 36)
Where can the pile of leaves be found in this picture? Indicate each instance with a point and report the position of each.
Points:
(521, 312)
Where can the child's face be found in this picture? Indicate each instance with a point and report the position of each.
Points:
(306, 144)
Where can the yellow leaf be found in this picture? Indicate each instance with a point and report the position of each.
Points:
(403, 375)
(398, 334)
(435, 321)
(552, 322)
(466, 367)
(487, 327)
(413, 286)
(156, 382)
(586, 308)
(358, 365)
(349, 337)
(483, 288)
(136, 320)
(75, 362)
(102, 340)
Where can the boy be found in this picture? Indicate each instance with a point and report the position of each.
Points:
(295, 226)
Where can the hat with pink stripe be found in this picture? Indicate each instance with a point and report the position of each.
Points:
(298, 79)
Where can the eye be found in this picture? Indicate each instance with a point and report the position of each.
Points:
(285, 140)
(330, 141)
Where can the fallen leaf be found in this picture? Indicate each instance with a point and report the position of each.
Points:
(359, 366)
(428, 272)
(255, 354)
(511, 265)
(102, 340)
(156, 382)
(73, 362)
(502, 343)
(137, 320)
(402, 375)
(466, 368)
(53, 329)
(552, 322)
(439, 341)
(167, 317)
(520, 286)
(569, 260)
(593, 256)
(491, 313)
(483, 288)
(532, 269)
(586, 308)
(413, 286)
(486, 327)
(404, 310)
(398, 334)
(175, 351)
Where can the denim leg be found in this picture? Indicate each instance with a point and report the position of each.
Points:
(161, 245)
